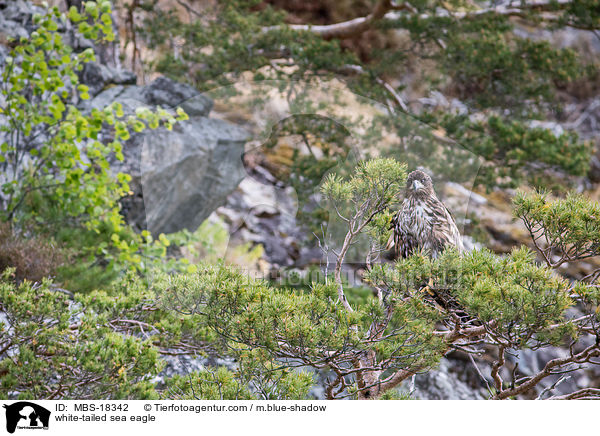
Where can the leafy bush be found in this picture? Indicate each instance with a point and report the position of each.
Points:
(514, 152)
(54, 348)
(55, 157)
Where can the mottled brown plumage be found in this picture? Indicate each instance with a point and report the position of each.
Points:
(423, 222)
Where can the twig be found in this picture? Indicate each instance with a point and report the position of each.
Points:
(553, 386)
(489, 388)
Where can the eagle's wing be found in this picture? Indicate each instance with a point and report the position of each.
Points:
(404, 242)
(456, 239)
(444, 231)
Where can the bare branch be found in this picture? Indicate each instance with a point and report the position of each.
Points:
(347, 29)
(552, 386)
(552, 367)
(582, 394)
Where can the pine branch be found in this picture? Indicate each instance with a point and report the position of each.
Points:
(385, 9)
(549, 369)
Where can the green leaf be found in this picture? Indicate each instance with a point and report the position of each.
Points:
(74, 14)
(91, 8)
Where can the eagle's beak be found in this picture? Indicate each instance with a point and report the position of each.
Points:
(416, 185)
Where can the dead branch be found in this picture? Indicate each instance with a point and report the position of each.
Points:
(347, 29)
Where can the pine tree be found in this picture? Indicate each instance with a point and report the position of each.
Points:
(506, 303)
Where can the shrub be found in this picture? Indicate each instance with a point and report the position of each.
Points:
(32, 258)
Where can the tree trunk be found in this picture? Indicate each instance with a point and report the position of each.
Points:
(368, 382)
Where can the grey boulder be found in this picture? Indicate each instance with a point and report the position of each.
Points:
(179, 177)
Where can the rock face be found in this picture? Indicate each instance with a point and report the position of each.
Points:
(97, 76)
(16, 18)
(262, 211)
(178, 177)
(450, 381)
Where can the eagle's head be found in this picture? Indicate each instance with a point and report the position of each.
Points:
(419, 184)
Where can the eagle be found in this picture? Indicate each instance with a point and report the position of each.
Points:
(423, 223)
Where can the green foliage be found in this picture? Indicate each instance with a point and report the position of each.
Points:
(289, 324)
(58, 349)
(522, 298)
(378, 229)
(395, 395)
(478, 58)
(253, 380)
(271, 331)
(324, 146)
(583, 14)
(497, 69)
(421, 143)
(44, 67)
(250, 311)
(311, 326)
(489, 65)
(211, 243)
(57, 166)
(359, 211)
(520, 302)
(234, 44)
(271, 379)
(105, 344)
(589, 298)
(373, 186)
(208, 241)
(360, 203)
(220, 384)
(514, 152)
(566, 227)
